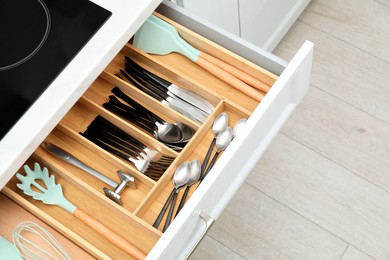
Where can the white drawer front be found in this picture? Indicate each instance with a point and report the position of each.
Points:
(238, 160)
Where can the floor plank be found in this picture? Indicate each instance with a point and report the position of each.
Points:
(384, 2)
(339, 201)
(211, 249)
(343, 133)
(258, 227)
(354, 254)
(342, 70)
(361, 23)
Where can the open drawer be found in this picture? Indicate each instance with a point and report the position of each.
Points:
(134, 220)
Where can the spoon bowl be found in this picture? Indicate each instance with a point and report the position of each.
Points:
(224, 138)
(220, 123)
(195, 173)
(194, 178)
(180, 179)
(168, 133)
(239, 126)
(187, 132)
(182, 175)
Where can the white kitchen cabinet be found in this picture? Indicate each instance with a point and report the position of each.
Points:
(261, 22)
(265, 22)
(290, 82)
(222, 13)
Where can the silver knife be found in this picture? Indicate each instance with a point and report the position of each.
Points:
(192, 98)
(187, 95)
(186, 109)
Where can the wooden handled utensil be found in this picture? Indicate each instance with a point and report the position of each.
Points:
(169, 40)
(242, 75)
(52, 195)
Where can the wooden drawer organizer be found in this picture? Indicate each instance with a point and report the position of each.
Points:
(141, 206)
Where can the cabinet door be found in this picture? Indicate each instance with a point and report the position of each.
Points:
(265, 22)
(223, 13)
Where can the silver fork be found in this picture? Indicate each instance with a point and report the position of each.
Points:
(148, 161)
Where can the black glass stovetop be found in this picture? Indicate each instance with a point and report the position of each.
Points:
(38, 38)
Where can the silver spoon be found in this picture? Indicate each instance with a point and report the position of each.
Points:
(174, 133)
(168, 133)
(165, 132)
(190, 176)
(239, 126)
(224, 138)
(180, 179)
(194, 178)
(187, 131)
(220, 123)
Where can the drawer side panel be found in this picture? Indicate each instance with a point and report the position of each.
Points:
(238, 160)
(222, 37)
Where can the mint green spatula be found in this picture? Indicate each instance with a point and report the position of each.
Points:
(159, 37)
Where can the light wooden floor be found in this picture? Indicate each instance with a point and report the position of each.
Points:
(322, 189)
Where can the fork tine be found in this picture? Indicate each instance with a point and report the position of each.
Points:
(150, 162)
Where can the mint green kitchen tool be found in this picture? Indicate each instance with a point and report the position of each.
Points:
(28, 238)
(52, 195)
(9, 250)
(156, 36)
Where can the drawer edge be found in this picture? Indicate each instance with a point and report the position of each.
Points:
(275, 109)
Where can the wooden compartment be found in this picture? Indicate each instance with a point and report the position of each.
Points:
(142, 205)
(153, 203)
(100, 90)
(86, 198)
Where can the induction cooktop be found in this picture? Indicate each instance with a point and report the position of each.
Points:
(38, 38)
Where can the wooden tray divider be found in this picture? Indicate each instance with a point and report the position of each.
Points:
(100, 90)
(125, 166)
(170, 73)
(237, 110)
(85, 105)
(126, 126)
(186, 69)
(152, 143)
(88, 188)
(98, 161)
(120, 164)
(163, 187)
(152, 207)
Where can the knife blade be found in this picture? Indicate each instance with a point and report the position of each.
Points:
(186, 95)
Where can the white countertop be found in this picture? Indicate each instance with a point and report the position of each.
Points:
(66, 89)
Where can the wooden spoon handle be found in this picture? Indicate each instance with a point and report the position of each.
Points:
(230, 79)
(108, 234)
(242, 75)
